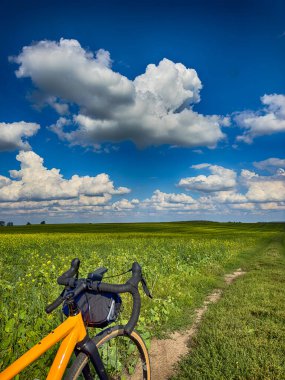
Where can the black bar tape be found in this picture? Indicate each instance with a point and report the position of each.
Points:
(135, 312)
(137, 274)
(112, 288)
(71, 272)
(55, 304)
(63, 281)
(71, 282)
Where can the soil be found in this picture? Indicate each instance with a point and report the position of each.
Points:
(165, 353)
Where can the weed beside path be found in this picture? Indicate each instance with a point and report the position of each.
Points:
(243, 335)
(165, 353)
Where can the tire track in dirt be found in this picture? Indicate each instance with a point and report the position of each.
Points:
(164, 353)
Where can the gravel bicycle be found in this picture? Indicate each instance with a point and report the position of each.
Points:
(117, 352)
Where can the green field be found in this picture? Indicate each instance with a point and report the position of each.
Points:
(182, 263)
(243, 335)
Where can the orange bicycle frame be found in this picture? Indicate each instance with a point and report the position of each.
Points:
(72, 331)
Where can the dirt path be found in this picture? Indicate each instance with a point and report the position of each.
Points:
(164, 353)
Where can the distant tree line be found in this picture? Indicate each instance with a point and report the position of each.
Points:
(11, 224)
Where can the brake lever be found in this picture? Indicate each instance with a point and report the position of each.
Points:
(145, 288)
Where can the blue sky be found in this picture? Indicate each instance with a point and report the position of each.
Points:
(142, 111)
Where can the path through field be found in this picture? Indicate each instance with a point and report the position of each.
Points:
(164, 353)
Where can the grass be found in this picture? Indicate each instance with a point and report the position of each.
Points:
(193, 228)
(242, 336)
(182, 263)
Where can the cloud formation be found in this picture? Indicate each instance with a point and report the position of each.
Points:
(270, 164)
(153, 109)
(38, 190)
(226, 189)
(220, 179)
(13, 135)
(264, 188)
(251, 193)
(269, 120)
(168, 201)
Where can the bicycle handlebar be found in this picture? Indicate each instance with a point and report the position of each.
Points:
(70, 273)
(55, 304)
(131, 286)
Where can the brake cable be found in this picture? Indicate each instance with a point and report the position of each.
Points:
(119, 274)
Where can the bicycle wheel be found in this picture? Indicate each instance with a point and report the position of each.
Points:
(124, 356)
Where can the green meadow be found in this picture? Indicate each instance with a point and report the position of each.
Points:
(182, 262)
(243, 335)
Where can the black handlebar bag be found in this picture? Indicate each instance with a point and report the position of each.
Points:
(98, 309)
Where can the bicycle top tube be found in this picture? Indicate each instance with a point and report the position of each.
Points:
(75, 286)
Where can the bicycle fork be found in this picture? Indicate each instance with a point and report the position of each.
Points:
(88, 347)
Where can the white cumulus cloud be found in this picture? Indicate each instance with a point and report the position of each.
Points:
(13, 135)
(171, 84)
(225, 189)
(269, 120)
(169, 201)
(221, 179)
(124, 204)
(39, 191)
(266, 188)
(270, 164)
(153, 109)
(34, 182)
